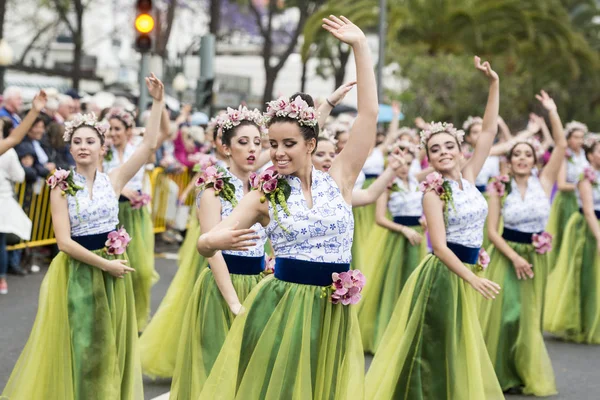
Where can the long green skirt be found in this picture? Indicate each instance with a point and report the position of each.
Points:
(140, 251)
(512, 323)
(395, 259)
(188, 247)
(433, 347)
(563, 207)
(83, 344)
(206, 324)
(573, 294)
(291, 343)
(160, 340)
(364, 222)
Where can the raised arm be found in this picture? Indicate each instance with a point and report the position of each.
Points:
(362, 197)
(348, 163)
(165, 128)
(550, 172)
(587, 203)
(333, 100)
(505, 133)
(18, 133)
(433, 209)
(62, 231)
(490, 123)
(120, 176)
(393, 132)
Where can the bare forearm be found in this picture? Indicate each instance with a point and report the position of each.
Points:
(80, 253)
(499, 242)
(453, 263)
(223, 279)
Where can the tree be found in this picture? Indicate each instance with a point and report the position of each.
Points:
(63, 8)
(264, 18)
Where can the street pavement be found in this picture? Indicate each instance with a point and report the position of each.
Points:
(576, 366)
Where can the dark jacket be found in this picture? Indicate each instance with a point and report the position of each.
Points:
(37, 170)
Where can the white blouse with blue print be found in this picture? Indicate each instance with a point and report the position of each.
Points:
(408, 202)
(529, 214)
(137, 181)
(467, 218)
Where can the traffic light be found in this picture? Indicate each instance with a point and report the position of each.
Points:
(144, 25)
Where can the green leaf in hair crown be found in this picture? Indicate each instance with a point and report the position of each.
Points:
(275, 188)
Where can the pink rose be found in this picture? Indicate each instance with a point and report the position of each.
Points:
(235, 116)
(483, 259)
(270, 186)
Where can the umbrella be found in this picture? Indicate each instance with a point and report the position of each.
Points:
(386, 113)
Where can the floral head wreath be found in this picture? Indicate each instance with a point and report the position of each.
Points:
(122, 115)
(575, 126)
(297, 109)
(591, 139)
(405, 130)
(441, 127)
(410, 147)
(233, 117)
(535, 144)
(470, 122)
(326, 134)
(81, 120)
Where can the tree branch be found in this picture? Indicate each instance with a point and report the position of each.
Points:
(62, 13)
(292, 44)
(32, 42)
(258, 18)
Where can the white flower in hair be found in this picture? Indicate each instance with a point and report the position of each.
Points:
(591, 139)
(441, 127)
(88, 120)
(470, 122)
(575, 126)
(123, 115)
(297, 109)
(233, 117)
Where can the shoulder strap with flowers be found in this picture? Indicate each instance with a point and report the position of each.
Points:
(63, 179)
(275, 188)
(216, 177)
(499, 186)
(436, 183)
(589, 174)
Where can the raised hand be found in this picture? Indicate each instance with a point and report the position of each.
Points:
(155, 87)
(39, 101)
(343, 29)
(533, 125)
(486, 68)
(396, 160)
(336, 97)
(396, 110)
(546, 101)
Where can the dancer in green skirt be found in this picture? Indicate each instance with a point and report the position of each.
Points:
(83, 344)
(573, 295)
(298, 337)
(433, 347)
(512, 324)
(208, 315)
(397, 254)
(565, 201)
(133, 213)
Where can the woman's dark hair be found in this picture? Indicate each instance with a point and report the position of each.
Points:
(230, 133)
(512, 149)
(338, 133)
(56, 134)
(7, 126)
(103, 113)
(589, 148)
(308, 132)
(38, 120)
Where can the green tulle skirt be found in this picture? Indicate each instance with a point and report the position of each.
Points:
(433, 347)
(188, 247)
(83, 344)
(291, 343)
(573, 294)
(563, 207)
(207, 322)
(393, 262)
(512, 323)
(160, 340)
(364, 222)
(140, 251)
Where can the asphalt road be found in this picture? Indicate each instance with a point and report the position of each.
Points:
(577, 367)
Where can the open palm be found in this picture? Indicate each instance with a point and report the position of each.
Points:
(343, 29)
(39, 101)
(155, 87)
(546, 101)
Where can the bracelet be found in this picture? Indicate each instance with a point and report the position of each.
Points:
(329, 102)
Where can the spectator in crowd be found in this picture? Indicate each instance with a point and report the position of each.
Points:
(76, 97)
(12, 104)
(55, 147)
(65, 108)
(186, 148)
(31, 154)
(13, 220)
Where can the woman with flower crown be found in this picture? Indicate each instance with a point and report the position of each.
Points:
(209, 314)
(133, 213)
(572, 309)
(519, 261)
(433, 347)
(296, 337)
(565, 202)
(83, 344)
(396, 254)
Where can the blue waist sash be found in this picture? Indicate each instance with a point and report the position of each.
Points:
(407, 221)
(518, 236)
(481, 188)
(307, 272)
(92, 242)
(371, 176)
(241, 265)
(595, 212)
(468, 255)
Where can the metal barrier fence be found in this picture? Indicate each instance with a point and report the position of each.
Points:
(35, 201)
